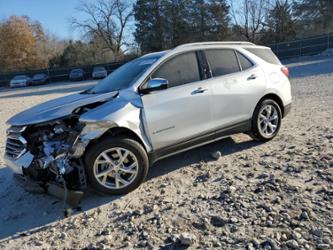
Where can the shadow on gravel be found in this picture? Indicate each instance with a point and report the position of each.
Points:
(225, 146)
(311, 67)
(21, 211)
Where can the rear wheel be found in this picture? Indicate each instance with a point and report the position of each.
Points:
(266, 121)
(116, 165)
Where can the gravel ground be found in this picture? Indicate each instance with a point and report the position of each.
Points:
(276, 195)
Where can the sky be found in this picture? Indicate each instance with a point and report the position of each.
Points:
(54, 15)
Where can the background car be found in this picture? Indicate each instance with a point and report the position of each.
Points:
(99, 72)
(40, 79)
(20, 81)
(76, 75)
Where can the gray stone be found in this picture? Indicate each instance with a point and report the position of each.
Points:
(296, 235)
(317, 232)
(327, 240)
(323, 246)
(272, 243)
(304, 216)
(292, 244)
(187, 239)
(217, 221)
(216, 155)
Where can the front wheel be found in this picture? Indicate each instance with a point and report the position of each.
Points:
(266, 121)
(116, 165)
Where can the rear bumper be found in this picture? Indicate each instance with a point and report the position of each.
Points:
(287, 109)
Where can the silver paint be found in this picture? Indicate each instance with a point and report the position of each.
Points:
(57, 108)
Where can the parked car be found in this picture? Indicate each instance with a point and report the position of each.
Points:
(152, 107)
(40, 79)
(20, 81)
(76, 75)
(99, 72)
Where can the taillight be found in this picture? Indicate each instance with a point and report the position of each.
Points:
(285, 71)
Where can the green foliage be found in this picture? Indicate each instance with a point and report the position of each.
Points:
(314, 16)
(79, 53)
(281, 24)
(163, 24)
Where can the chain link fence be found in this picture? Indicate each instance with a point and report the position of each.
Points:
(303, 47)
(59, 74)
(284, 50)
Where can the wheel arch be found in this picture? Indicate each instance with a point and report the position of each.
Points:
(119, 131)
(275, 98)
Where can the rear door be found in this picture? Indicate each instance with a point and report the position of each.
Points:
(237, 85)
(182, 111)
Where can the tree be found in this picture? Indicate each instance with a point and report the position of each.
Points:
(209, 20)
(280, 23)
(81, 53)
(107, 19)
(314, 16)
(16, 44)
(163, 24)
(249, 17)
(150, 25)
(23, 45)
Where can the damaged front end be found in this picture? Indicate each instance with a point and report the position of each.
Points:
(44, 156)
(48, 154)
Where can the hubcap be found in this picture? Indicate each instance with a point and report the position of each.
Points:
(116, 168)
(268, 120)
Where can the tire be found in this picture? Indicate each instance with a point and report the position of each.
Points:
(111, 146)
(259, 123)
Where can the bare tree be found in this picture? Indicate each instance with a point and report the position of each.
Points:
(249, 17)
(107, 19)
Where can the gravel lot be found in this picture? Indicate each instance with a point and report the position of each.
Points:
(273, 195)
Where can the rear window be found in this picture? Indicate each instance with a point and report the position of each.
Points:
(265, 54)
(99, 69)
(222, 61)
(244, 62)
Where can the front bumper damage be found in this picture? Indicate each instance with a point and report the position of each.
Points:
(58, 159)
(17, 165)
(50, 152)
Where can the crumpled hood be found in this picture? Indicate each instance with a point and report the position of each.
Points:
(57, 108)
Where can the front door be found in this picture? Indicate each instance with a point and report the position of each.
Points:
(182, 111)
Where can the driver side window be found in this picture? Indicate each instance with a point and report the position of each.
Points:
(179, 70)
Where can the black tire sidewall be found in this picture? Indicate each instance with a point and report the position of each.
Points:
(111, 142)
(255, 124)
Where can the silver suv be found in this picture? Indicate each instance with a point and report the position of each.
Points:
(150, 108)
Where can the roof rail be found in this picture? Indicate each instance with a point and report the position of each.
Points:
(214, 43)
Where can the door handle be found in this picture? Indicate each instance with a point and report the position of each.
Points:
(199, 90)
(252, 77)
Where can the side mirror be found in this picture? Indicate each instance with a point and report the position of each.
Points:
(155, 84)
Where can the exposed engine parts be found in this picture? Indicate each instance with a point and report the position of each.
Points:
(49, 148)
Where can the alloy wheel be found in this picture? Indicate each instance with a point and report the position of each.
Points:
(268, 120)
(116, 168)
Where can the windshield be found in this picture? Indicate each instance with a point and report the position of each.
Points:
(38, 76)
(99, 69)
(124, 76)
(20, 77)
